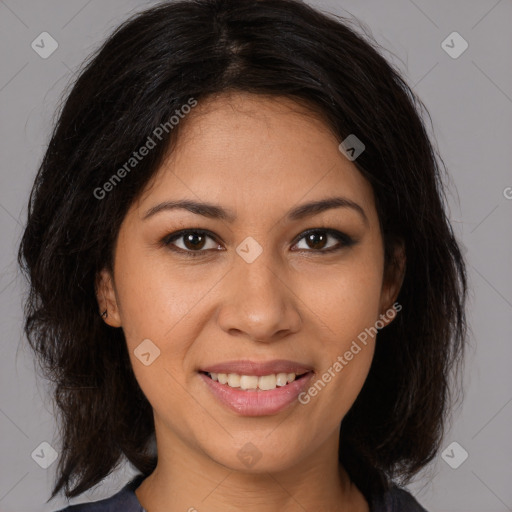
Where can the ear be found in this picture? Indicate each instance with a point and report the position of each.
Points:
(394, 273)
(107, 299)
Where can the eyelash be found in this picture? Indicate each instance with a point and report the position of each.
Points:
(343, 239)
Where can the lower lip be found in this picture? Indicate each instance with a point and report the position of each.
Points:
(257, 403)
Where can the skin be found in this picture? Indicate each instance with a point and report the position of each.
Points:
(258, 158)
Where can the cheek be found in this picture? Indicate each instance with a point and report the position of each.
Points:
(345, 298)
(159, 305)
(155, 299)
(346, 303)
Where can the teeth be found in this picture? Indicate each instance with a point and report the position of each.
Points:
(253, 382)
(233, 380)
(267, 382)
(282, 379)
(247, 382)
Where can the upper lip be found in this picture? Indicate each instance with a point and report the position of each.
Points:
(246, 367)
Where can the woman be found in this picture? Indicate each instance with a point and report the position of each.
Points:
(238, 249)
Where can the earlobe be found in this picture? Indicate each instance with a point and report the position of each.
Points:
(107, 300)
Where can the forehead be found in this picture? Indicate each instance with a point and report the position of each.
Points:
(249, 151)
(244, 124)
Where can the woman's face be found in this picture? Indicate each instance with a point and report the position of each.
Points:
(249, 292)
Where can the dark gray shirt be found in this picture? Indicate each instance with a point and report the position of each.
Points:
(395, 500)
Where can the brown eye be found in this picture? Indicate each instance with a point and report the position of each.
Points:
(191, 242)
(324, 240)
(316, 240)
(194, 241)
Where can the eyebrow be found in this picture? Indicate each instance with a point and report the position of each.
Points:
(213, 211)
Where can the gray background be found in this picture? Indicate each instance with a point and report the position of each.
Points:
(470, 100)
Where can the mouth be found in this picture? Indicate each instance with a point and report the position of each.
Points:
(256, 389)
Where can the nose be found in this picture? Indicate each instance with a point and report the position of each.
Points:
(259, 302)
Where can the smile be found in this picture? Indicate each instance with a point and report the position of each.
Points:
(256, 389)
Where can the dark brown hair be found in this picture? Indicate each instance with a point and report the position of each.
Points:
(146, 70)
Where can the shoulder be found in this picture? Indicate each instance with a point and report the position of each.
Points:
(123, 501)
(396, 500)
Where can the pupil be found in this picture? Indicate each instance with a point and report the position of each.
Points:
(316, 240)
(194, 241)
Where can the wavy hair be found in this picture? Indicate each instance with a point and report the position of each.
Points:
(147, 69)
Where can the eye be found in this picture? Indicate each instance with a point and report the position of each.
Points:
(196, 242)
(192, 242)
(324, 240)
